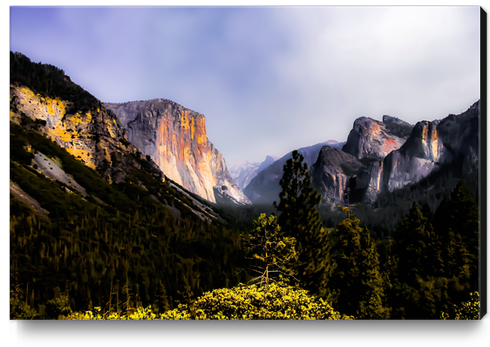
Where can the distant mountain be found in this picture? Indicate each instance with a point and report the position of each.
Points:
(243, 172)
(176, 139)
(265, 188)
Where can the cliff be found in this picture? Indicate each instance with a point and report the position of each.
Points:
(176, 139)
(331, 174)
(370, 139)
(45, 103)
(431, 145)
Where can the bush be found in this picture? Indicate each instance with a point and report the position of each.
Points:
(256, 302)
(57, 307)
(468, 310)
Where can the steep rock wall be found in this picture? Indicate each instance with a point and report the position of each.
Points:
(374, 140)
(331, 173)
(176, 139)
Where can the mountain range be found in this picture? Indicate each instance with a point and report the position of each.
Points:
(380, 157)
(171, 142)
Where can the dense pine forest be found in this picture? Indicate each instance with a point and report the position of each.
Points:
(121, 251)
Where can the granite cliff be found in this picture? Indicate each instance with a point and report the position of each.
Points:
(370, 139)
(331, 174)
(392, 154)
(431, 145)
(176, 139)
(46, 104)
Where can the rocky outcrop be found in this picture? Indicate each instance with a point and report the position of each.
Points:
(176, 139)
(383, 156)
(93, 134)
(331, 173)
(431, 145)
(370, 139)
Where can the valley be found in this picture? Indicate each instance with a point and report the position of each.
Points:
(129, 205)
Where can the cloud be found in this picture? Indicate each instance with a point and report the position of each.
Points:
(268, 79)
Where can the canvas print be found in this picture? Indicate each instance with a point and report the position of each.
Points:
(247, 163)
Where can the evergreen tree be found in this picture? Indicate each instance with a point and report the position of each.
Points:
(421, 286)
(418, 248)
(300, 219)
(357, 279)
(456, 221)
(269, 250)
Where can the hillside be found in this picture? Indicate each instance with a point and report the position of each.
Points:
(92, 218)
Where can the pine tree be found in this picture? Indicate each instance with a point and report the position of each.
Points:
(269, 250)
(456, 221)
(300, 219)
(420, 282)
(418, 247)
(357, 279)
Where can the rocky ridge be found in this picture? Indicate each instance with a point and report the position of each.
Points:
(389, 159)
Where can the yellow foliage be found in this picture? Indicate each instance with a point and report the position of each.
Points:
(270, 301)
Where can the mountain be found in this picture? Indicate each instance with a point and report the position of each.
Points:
(265, 188)
(331, 174)
(176, 139)
(393, 154)
(243, 172)
(92, 219)
(430, 146)
(370, 139)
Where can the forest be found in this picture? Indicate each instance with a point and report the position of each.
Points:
(124, 257)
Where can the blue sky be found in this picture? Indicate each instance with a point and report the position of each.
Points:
(268, 79)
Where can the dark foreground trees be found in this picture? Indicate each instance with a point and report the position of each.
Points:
(357, 281)
(300, 219)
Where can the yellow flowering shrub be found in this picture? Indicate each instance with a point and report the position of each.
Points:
(96, 314)
(468, 310)
(243, 302)
(256, 302)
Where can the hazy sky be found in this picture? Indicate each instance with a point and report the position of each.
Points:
(268, 79)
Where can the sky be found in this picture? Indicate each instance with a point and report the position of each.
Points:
(268, 79)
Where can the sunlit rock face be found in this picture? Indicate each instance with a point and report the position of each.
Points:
(430, 145)
(175, 138)
(370, 139)
(93, 135)
(416, 159)
(392, 154)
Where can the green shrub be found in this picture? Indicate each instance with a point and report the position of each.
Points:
(57, 307)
